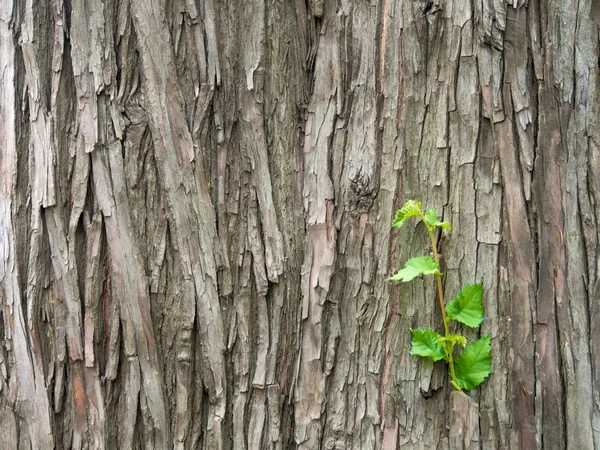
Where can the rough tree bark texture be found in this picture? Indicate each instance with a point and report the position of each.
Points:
(195, 208)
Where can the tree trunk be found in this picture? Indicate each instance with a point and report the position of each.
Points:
(195, 221)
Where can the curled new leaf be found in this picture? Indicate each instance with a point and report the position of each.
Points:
(411, 208)
(431, 218)
(467, 307)
(421, 265)
(453, 339)
(425, 343)
(474, 364)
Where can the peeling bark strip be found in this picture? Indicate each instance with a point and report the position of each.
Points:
(195, 212)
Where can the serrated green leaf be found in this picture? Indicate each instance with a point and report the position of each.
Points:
(431, 218)
(421, 265)
(424, 343)
(467, 307)
(453, 339)
(474, 364)
(411, 208)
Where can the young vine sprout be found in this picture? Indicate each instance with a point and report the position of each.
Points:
(474, 364)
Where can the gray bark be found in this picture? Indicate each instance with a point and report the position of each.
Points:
(195, 209)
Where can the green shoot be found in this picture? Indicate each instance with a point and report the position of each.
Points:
(474, 364)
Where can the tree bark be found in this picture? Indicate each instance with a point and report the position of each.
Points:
(195, 210)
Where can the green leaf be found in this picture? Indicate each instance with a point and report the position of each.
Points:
(474, 364)
(421, 265)
(424, 343)
(431, 218)
(467, 307)
(453, 339)
(411, 208)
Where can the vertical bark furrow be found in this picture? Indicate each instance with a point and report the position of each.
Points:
(92, 321)
(27, 392)
(391, 75)
(86, 33)
(319, 252)
(131, 289)
(253, 143)
(494, 405)
(189, 205)
(521, 272)
(551, 292)
(317, 270)
(588, 104)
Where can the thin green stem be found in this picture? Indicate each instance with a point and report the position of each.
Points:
(447, 346)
